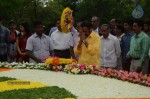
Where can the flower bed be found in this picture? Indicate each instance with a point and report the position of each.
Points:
(58, 64)
(64, 65)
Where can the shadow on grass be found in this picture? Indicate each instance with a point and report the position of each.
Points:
(6, 78)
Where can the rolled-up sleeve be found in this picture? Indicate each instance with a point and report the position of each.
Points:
(29, 45)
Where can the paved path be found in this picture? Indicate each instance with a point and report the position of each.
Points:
(83, 86)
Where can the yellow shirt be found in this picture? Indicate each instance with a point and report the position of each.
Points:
(90, 55)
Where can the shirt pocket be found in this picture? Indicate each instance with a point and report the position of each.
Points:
(137, 47)
(45, 45)
(36, 46)
(110, 47)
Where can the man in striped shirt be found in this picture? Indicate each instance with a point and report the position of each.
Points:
(139, 47)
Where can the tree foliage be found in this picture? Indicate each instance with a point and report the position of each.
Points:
(30, 10)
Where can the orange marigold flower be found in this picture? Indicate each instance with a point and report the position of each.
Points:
(55, 61)
(74, 61)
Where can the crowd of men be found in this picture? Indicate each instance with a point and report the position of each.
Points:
(122, 46)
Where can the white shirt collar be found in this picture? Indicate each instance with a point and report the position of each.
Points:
(35, 35)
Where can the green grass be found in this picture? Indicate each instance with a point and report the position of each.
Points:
(53, 92)
(6, 78)
(37, 93)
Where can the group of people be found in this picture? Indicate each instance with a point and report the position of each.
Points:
(23, 45)
(119, 46)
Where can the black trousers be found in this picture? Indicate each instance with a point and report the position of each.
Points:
(62, 53)
(3, 58)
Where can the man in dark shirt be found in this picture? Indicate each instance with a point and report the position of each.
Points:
(4, 42)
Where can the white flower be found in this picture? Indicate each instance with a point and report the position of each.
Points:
(59, 67)
(24, 65)
(75, 70)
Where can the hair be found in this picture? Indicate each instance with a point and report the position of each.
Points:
(97, 18)
(36, 23)
(79, 22)
(147, 22)
(26, 27)
(12, 22)
(108, 27)
(129, 22)
(139, 22)
(120, 26)
(116, 20)
(86, 24)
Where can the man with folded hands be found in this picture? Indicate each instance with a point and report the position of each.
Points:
(88, 47)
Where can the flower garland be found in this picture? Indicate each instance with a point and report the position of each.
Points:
(24, 65)
(67, 20)
(58, 64)
(79, 68)
(111, 73)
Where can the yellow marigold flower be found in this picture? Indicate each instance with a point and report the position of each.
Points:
(62, 60)
(48, 61)
(58, 61)
(66, 20)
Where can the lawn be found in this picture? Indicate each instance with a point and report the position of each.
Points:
(53, 92)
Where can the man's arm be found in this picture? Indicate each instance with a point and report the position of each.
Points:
(94, 47)
(7, 32)
(72, 52)
(145, 49)
(52, 53)
(117, 48)
(29, 49)
(30, 55)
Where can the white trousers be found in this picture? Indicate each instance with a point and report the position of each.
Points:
(135, 63)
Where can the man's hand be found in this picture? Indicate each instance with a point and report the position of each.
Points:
(79, 46)
(128, 57)
(39, 60)
(12, 55)
(86, 44)
(83, 39)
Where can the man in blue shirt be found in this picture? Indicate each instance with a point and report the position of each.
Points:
(4, 42)
(125, 44)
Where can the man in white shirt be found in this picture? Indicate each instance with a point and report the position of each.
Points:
(52, 30)
(118, 30)
(60, 42)
(38, 45)
(110, 49)
(95, 24)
